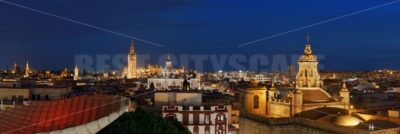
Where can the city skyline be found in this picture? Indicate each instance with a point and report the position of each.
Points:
(199, 67)
(50, 43)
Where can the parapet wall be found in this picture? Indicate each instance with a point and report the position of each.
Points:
(252, 124)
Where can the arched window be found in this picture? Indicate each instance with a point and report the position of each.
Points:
(171, 116)
(196, 130)
(306, 73)
(220, 118)
(256, 102)
(207, 130)
(207, 119)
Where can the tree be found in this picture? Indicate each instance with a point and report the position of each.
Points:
(152, 87)
(141, 122)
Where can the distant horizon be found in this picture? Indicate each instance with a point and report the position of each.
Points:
(71, 67)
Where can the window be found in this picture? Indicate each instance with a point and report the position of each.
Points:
(207, 130)
(171, 117)
(256, 102)
(306, 73)
(195, 130)
(220, 117)
(207, 119)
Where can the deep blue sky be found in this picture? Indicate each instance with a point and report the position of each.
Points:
(366, 41)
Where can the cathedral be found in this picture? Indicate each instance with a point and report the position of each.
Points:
(305, 107)
(308, 94)
(174, 78)
(131, 71)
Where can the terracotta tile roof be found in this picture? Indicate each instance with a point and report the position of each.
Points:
(46, 116)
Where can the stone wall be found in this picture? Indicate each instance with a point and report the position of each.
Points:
(8, 93)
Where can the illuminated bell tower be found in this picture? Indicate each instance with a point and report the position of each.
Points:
(308, 76)
(168, 62)
(132, 72)
(27, 70)
(76, 73)
(168, 70)
(345, 94)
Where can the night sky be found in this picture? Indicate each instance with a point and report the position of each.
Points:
(365, 41)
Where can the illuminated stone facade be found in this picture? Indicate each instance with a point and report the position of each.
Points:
(76, 73)
(173, 83)
(308, 76)
(27, 70)
(131, 69)
(287, 102)
(173, 78)
(65, 73)
(286, 109)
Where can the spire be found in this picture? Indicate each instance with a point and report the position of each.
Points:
(76, 73)
(344, 87)
(27, 65)
(65, 69)
(273, 86)
(307, 49)
(344, 84)
(27, 69)
(132, 49)
(168, 58)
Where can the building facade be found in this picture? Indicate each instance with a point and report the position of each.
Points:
(200, 120)
(305, 108)
(172, 83)
(174, 78)
(307, 95)
(76, 73)
(177, 98)
(131, 69)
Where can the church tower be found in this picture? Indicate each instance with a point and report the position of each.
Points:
(27, 70)
(131, 72)
(168, 69)
(168, 62)
(345, 95)
(76, 73)
(308, 76)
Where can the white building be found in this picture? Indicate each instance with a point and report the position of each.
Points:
(201, 119)
(172, 78)
(172, 83)
(177, 98)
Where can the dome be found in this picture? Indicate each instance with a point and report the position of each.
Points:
(344, 120)
(347, 121)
